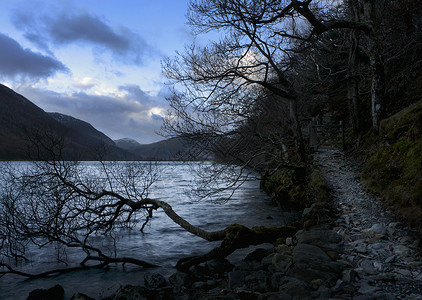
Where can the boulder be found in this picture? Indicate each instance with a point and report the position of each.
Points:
(376, 229)
(318, 237)
(154, 280)
(54, 293)
(258, 281)
(236, 279)
(130, 292)
(311, 262)
(80, 296)
(295, 288)
(281, 262)
(219, 266)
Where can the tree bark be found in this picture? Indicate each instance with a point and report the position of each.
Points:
(377, 66)
(297, 129)
(353, 76)
(206, 235)
(237, 237)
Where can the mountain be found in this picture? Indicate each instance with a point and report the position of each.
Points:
(23, 126)
(127, 144)
(84, 129)
(176, 148)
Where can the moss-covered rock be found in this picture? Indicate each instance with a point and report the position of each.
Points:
(287, 187)
(394, 170)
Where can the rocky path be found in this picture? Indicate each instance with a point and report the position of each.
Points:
(383, 255)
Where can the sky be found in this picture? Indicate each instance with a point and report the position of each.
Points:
(96, 60)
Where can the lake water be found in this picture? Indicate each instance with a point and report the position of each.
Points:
(163, 242)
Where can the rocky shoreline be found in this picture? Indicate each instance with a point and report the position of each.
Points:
(350, 247)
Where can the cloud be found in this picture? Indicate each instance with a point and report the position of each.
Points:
(60, 28)
(85, 83)
(135, 93)
(15, 61)
(123, 114)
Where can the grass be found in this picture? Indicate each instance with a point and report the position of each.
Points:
(394, 170)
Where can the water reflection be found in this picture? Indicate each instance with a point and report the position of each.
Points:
(163, 242)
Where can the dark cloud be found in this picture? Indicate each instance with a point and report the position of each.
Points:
(59, 28)
(135, 93)
(118, 117)
(15, 61)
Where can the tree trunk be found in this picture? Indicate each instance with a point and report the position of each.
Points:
(237, 237)
(353, 76)
(377, 66)
(377, 91)
(297, 129)
(206, 235)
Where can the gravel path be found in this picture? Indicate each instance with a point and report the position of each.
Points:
(385, 261)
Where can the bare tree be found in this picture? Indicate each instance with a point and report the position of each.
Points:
(63, 203)
(216, 81)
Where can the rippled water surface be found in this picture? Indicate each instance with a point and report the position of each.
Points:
(163, 243)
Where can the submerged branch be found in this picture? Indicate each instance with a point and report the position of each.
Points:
(104, 261)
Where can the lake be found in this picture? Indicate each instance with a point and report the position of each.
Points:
(163, 242)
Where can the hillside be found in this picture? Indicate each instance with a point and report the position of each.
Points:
(394, 163)
(23, 124)
(85, 135)
(170, 149)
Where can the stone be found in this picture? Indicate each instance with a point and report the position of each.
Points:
(257, 281)
(358, 236)
(199, 285)
(384, 296)
(276, 279)
(306, 252)
(362, 248)
(282, 262)
(267, 261)
(154, 280)
(318, 237)
(179, 280)
(404, 272)
(401, 250)
(349, 275)
(289, 241)
(211, 283)
(323, 293)
(333, 254)
(311, 262)
(273, 296)
(378, 266)
(220, 265)
(368, 267)
(54, 293)
(366, 289)
(295, 287)
(390, 259)
(316, 283)
(236, 279)
(80, 296)
(132, 292)
(338, 286)
(379, 228)
(363, 297)
(377, 246)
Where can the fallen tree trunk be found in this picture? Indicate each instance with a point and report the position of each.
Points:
(237, 237)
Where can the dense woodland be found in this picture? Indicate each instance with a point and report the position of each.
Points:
(279, 66)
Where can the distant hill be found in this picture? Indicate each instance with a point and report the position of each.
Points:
(127, 144)
(22, 123)
(171, 149)
(84, 129)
